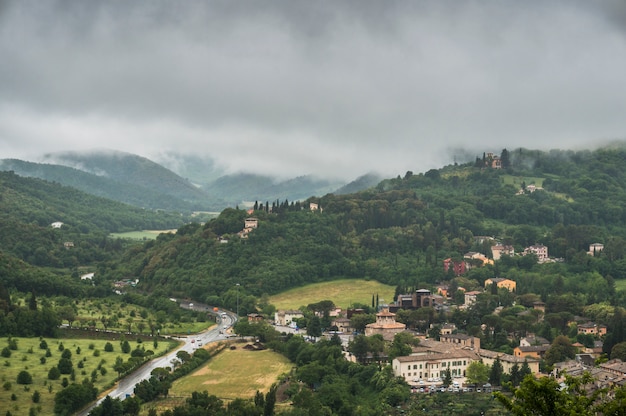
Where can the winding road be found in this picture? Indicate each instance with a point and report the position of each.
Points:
(126, 386)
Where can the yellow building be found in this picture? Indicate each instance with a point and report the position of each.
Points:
(508, 284)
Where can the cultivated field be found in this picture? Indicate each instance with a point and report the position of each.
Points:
(342, 292)
(122, 317)
(89, 360)
(230, 374)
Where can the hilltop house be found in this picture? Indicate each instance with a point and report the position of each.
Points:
(458, 267)
(539, 250)
(250, 224)
(592, 328)
(595, 249)
(473, 258)
(500, 282)
(531, 351)
(500, 250)
(470, 297)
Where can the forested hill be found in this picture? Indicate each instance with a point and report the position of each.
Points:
(29, 206)
(121, 177)
(400, 232)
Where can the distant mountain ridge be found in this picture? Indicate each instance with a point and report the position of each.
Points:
(138, 181)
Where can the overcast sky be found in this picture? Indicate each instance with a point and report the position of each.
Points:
(335, 88)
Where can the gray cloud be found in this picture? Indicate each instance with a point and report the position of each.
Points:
(297, 87)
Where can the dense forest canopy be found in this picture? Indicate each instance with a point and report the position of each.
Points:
(400, 231)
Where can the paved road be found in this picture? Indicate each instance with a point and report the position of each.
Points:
(126, 386)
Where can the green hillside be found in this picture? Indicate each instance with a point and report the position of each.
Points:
(399, 232)
(28, 207)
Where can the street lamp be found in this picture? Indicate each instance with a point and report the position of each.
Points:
(237, 300)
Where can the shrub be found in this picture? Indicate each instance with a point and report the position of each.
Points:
(7, 386)
(13, 344)
(6, 352)
(36, 397)
(66, 354)
(42, 360)
(108, 347)
(65, 365)
(43, 344)
(137, 352)
(54, 374)
(24, 377)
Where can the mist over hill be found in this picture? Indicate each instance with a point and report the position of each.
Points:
(192, 184)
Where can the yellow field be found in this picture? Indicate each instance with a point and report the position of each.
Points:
(342, 292)
(235, 373)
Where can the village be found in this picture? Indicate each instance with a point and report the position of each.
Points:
(446, 350)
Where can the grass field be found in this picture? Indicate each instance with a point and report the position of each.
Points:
(517, 180)
(29, 355)
(230, 374)
(342, 292)
(620, 285)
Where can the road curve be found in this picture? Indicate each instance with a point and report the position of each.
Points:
(126, 386)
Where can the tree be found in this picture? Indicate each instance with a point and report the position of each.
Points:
(74, 397)
(314, 327)
(515, 377)
(524, 370)
(24, 377)
(401, 345)
(477, 373)
(619, 351)
(270, 401)
(447, 377)
(359, 347)
(65, 366)
(359, 321)
(560, 350)
(54, 374)
(546, 397)
(67, 313)
(495, 375)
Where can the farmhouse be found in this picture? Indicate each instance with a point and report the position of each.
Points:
(286, 317)
(500, 250)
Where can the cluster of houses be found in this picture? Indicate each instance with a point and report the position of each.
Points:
(456, 351)
(473, 259)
